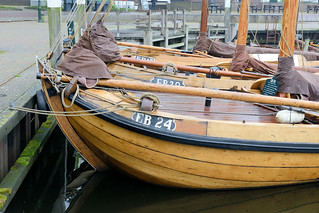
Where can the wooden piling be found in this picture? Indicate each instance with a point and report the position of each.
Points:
(80, 16)
(55, 23)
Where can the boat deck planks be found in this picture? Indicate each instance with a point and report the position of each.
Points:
(195, 106)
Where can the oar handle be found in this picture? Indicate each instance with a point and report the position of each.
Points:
(203, 92)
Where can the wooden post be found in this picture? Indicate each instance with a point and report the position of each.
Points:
(306, 47)
(288, 30)
(227, 20)
(117, 23)
(243, 22)
(55, 22)
(184, 20)
(80, 16)
(166, 30)
(149, 20)
(3, 158)
(163, 23)
(204, 16)
(175, 21)
(186, 38)
(148, 33)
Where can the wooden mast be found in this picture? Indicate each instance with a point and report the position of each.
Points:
(204, 17)
(288, 32)
(243, 22)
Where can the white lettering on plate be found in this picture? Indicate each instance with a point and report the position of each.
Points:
(156, 122)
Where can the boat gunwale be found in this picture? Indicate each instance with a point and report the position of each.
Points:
(200, 140)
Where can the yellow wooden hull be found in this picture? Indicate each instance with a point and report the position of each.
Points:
(188, 145)
(179, 164)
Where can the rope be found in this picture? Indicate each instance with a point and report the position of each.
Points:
(256, 32)
(283, 37)
(154, 98)
(73, 99)
(67, 114)
(170, 65)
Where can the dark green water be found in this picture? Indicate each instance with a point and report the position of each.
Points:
(48, 188)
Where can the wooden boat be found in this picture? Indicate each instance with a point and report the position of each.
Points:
(123, 71)
(189, 145)
(184, 136)
(173, 56)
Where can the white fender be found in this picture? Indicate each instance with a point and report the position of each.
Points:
(290, 116)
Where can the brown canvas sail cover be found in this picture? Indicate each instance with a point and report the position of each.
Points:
(85, 64)
(103, 43)
(99, 40)
(296, 82)
(87, 59)
(220, 49)
(214, 48)
(242, 60)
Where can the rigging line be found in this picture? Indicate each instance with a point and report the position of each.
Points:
(58, 112)
(98, 11)
(59, 37)
(84, 17)
(70, 16)
(283, 36)
(73, 11)
(67, 114)
(106, 13)
(129, 98)
(256, 32)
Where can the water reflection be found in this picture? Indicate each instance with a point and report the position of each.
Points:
(113, 192)
(54, 185)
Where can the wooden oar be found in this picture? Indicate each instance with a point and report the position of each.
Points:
(189, 68)
(203, 92)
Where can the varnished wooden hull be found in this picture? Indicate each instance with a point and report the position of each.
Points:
(189, 60)
(184, 144)
(204, 154)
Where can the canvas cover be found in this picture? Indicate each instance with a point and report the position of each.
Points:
(220, 49)
(103, 43)
(296, 82)
(214, 48)
(87, 59)
(242, 60)
(83, 63)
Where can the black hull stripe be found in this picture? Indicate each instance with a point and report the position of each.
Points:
(199, 140)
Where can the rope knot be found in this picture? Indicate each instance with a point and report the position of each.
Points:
(148, 102)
